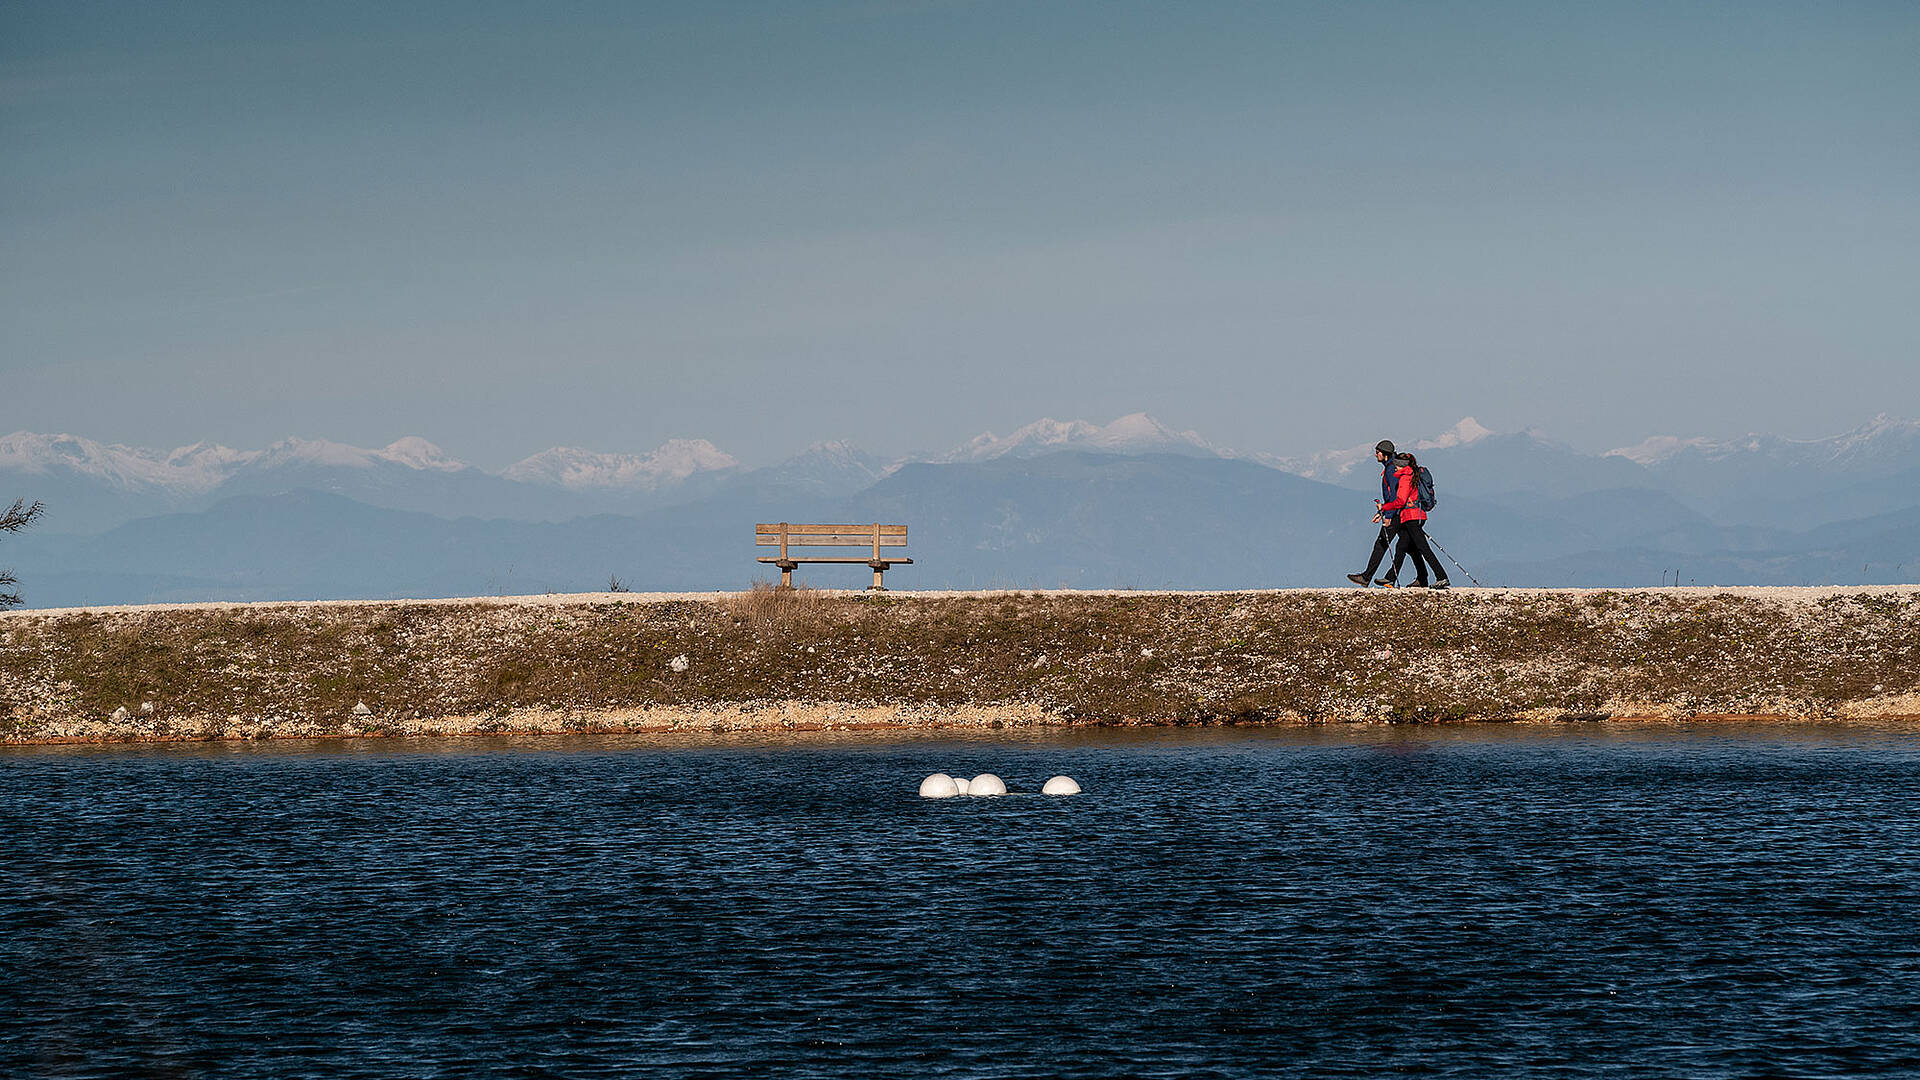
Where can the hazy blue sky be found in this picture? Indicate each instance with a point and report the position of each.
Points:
(1289, 226)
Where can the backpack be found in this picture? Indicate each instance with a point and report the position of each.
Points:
(1423, 480)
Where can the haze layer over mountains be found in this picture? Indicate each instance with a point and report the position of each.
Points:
(1132, 503)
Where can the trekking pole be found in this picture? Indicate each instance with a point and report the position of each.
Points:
(1453, 560)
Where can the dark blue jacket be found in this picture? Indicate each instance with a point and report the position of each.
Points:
(1389, 490)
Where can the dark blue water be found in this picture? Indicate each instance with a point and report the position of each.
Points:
(1584, 902)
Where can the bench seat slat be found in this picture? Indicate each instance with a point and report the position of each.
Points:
(831, 540)
(773, 529)
(833, 559)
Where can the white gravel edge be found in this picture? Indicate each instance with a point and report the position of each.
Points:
(1773, 593)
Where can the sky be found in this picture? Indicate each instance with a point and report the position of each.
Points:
(509, 226)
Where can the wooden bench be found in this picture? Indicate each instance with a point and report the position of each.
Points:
(873, 537)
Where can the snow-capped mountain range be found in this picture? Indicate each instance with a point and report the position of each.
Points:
(202, 467)
(110, 482)
(315, 519)
(1135, 433)
(1881, 440)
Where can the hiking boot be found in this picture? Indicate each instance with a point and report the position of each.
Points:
(1358, 579)
(1385, 582)
(1418, 585)
(1443, 583)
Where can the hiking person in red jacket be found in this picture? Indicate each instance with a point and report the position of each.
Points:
(1411, 527)
(1382, 453)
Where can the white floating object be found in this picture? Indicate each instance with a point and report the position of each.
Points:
(1061, 785)
(986, 784)
(960, 785)
(938, 786)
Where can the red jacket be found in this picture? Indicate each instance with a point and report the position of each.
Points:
(1407, 502)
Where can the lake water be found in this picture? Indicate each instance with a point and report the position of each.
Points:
(1567, 901)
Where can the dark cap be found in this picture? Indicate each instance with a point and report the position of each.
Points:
(1384, 446)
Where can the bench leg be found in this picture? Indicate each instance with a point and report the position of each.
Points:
(786, 578)
(878, 585)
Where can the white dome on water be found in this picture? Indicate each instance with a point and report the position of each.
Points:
(939, 786)
(986, 784)
(1061, 785)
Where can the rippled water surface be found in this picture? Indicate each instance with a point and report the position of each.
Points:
(1667, 901)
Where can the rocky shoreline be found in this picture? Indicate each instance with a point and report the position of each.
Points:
(817, 660)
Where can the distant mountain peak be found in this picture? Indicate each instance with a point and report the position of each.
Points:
(577, 469)
(838, 451)
(1334, 464)
(409, 452)
(1468, 430)
(1134, 433)
(211, 458)
(417, 453)
(1657, 448)
(1881, 428)
(297, 451)
(824, 468)
(127, 468)
(843, 456)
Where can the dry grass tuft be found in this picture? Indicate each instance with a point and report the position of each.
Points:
(766, 605)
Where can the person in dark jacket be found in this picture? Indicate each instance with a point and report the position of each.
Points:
(1382, 453)
(1410, 529)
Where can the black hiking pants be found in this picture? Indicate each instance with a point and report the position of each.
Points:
(1380, 544)
(1412, 537)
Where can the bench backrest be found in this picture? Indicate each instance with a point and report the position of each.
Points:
(783, 535)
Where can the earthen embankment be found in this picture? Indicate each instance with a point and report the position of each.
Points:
(808, 660)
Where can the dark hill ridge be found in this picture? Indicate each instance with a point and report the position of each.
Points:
(806, 659)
